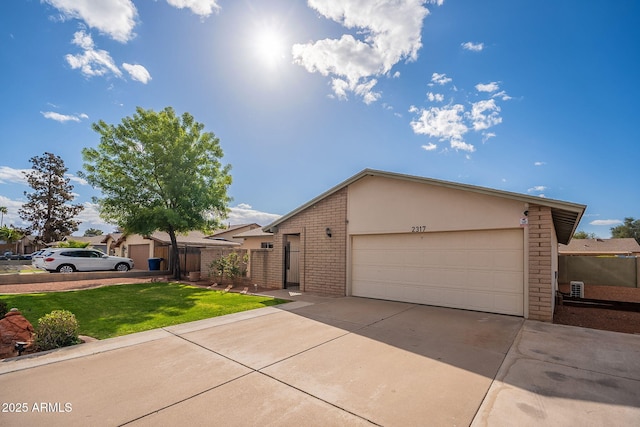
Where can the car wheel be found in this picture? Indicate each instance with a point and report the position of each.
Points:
(122, 267)
(66, 268)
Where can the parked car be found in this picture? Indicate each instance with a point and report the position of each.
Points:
(68, 260)
(37, 258)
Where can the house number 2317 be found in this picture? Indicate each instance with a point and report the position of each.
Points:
(418, 228)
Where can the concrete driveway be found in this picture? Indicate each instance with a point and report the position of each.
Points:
(334, 361)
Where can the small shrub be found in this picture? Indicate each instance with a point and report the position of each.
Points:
(231, 267)
(56, 329)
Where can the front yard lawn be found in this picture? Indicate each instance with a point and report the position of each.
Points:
(112, 311)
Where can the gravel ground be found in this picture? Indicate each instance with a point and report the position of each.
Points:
(72, 285)
(599, 318)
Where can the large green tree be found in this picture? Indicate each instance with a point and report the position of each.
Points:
(49, 211)
(584, 235)
(630, 228)
(92, 232)
(158, 172)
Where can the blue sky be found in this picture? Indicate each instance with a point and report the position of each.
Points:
(538, 98)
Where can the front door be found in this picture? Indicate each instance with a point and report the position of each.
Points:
(292, 261)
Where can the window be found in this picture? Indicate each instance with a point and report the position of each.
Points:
(266, 245)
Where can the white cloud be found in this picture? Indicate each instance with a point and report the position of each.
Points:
(91, 62)
(461, 145)
(244, 214)
(444, 123)
(77, 179)
(452, 122)
(391, 32)
(137, 72)
(202, 8)
(485, 114)
(435, 97)
(8, 174)
(487, 135)
(116, 18)
(539, 163)
(489, 87)
(502, 95)
(89, 217)
(62, 118)
(429, 147)
(606, 222)
(440, 79)
(474, 47)
(537, 188)
(11, 217)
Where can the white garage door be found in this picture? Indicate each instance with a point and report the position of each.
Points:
(474, 270)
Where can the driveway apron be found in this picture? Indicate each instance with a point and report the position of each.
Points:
(316, 361)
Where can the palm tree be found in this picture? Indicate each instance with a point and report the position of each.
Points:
(3, 211)
(10, 235)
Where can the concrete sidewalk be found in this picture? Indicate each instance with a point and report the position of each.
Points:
(334, 361)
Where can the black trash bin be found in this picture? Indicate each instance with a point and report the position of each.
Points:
(154, 264)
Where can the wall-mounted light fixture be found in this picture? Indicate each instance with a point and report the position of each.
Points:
(328, 231)
(526, 213)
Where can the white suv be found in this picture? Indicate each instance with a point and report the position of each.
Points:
(68, 260)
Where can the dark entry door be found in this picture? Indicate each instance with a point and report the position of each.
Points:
(292, 265)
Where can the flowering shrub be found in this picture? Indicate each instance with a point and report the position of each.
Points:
(56, 329)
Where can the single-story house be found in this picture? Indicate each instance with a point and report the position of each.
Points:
(256, 238)
(601, 247)
(230, 233)
(406, 238)
(141, 248)
(95, 242)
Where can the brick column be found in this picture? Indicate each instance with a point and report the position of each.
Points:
(540, 230)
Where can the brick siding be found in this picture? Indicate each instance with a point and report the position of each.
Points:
(540, 230)
(327, 273)
(208, 255)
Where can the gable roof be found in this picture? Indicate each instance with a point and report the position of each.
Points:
(625, 246)
(192, 238)
(256, 232)
(93, 240)
(233, 229)
(566, 215)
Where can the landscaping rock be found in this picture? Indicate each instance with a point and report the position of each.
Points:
(14, 327)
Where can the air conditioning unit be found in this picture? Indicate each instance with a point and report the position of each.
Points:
(577, 289)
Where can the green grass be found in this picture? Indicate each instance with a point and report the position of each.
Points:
(112, 311)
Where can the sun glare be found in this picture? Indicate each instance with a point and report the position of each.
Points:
(270, 48)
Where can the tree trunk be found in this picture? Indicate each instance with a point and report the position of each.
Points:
(175, 255)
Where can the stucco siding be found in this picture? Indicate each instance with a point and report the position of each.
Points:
(382, 205)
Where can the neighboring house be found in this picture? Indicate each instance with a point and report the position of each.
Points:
(111, 243)
(255, 239)
(596, 247)
(405, 238)
(231, 233)
(141, 248)
(95, 242)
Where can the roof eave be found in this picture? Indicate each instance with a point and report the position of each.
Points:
(566, 215)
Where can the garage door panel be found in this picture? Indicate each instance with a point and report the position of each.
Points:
(476, 270)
